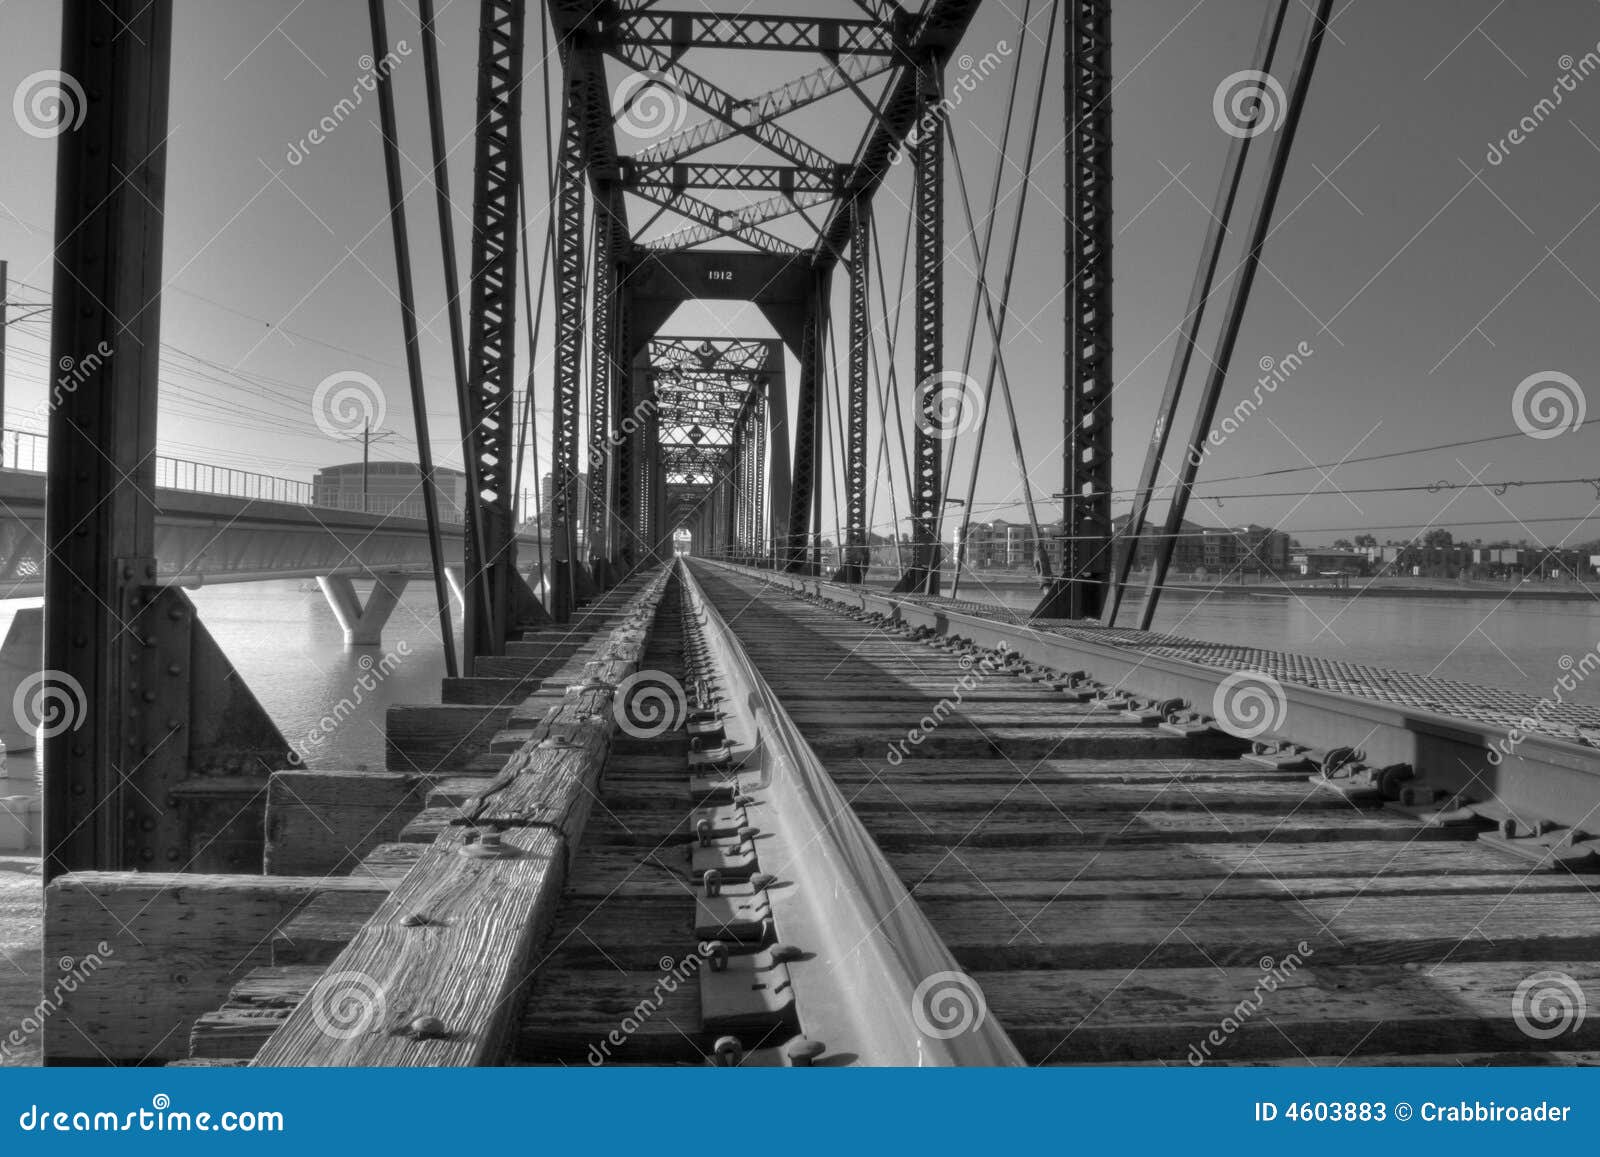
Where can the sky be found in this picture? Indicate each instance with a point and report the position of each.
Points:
(1429, 265)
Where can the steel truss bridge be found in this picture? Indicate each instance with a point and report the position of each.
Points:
(443, 879)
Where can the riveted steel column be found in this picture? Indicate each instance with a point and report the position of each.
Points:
(602, 352)
(570, 308)
(928, 211)
(100, 498)
(797, 552)
(1086, 553)
(491, 326)
(855, 467)
(624, 426)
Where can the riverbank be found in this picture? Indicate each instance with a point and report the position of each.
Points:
(974, 584)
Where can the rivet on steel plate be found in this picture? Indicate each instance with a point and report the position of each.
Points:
(426, 1028)
(702, 830)
(727, 1052)
(413, 920)
(762, 880)
(784, 953)
(802, 1052)
(712, 879)
(718, 951)
(748, 834)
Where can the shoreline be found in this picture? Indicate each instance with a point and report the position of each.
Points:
(1524, 593)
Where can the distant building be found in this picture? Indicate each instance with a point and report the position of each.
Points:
(389, 488)
(1330, 560)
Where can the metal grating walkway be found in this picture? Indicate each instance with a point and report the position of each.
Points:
(1497, 706)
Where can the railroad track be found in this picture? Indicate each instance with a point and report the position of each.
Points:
(1122, 893)
(918, 852)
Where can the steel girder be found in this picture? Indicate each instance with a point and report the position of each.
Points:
(857, 552)
(720, 103)
(938, 29)
(682, 31)
(847, 72)
(797, 554)
(927, 155)
(602, 373)
(491, 325)
(140, 711)
(621, 449)
(669, 177)
(569, 330)
(1087, 475)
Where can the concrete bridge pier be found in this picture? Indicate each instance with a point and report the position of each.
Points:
(21, 664)
(363, 625)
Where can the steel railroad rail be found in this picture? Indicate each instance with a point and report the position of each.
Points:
(1124, 882)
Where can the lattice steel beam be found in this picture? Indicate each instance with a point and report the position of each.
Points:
(602, 354)
(569, 330)
(672, 176)
(686, 30)
(1087, 469)
(797, 549)
(745, 116)
(720, 221)
(626, 419)
(855, 466)
(747, 217)
(491, 322)
(939, 27)
(720, 103)
(927, 157)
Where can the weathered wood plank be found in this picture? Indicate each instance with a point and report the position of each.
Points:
(174, 944)
(437, 974)
(324, 822)
(1202, 1015)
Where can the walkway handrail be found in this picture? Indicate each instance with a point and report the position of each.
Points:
(25, 451)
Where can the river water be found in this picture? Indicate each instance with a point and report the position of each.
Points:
(1518, 644)
(283, 639)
